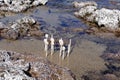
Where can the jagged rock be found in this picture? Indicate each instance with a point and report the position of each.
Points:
(19, 5)
(107, 18)
(103, 17)
(16, 66)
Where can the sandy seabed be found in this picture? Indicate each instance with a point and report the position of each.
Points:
(84, 57)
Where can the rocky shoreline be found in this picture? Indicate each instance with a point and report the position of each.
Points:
(19, 5)
(30, 67)
(102, 20)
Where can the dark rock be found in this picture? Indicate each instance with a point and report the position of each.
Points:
(10, 34)
(20, 28)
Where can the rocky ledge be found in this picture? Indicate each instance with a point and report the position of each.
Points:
(26, 26)
(110, 19)
(16, 66)
(19, 5)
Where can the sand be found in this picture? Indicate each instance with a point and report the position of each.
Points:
(84, 57)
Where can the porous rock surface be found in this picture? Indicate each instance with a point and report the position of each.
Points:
(16, 66)
(21, 27)
(103, 17)
(19, 5)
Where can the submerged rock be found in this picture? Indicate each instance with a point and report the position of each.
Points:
(103, 17)
(10, 34)
(111, 72)
(2, 26)
(16, 66)
(19, 5)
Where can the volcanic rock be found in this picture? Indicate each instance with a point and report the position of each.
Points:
(103, 17)
(19, 5)
(16, 66)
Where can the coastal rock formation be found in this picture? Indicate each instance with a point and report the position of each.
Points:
(16, 66)
(19, 5)
(19, 28)
(102, 17)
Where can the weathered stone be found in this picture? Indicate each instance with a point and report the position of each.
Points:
(86, 11)
(16, 66)
(107, 18)
(20, 28)
(103, 17)
(19, 5)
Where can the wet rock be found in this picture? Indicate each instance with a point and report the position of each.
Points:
(10, 34)
(115, 57)
(30, 67)
(2, 26)
(26, 20)
(111, 72)
(103, 17)
(20, 28)
(19, 5)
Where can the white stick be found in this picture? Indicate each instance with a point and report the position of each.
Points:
(61, 45)
(63, 49)
(46, 46)
(69, 48)
(52, 44)
(60, 51)
(46, 36)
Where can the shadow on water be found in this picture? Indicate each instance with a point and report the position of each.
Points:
(112, 44)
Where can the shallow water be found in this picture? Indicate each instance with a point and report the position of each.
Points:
(84, 56)
(58, 14)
